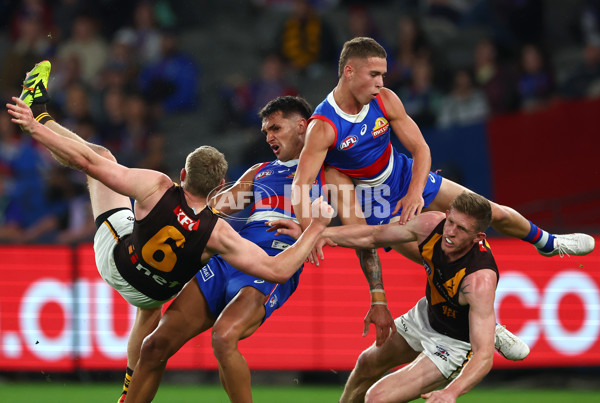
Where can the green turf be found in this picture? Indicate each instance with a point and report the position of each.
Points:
(54, 392)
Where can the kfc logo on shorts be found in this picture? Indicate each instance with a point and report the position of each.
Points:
(264, 174)
(273, 301)
(348, 143)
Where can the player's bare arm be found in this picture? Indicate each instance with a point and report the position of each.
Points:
(412, 139)
(233, 198)
(247, 257)
(145, 186)
(377, 236)
(319, 137)
(478, 291)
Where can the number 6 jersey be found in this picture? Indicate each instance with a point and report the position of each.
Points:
(164, 251)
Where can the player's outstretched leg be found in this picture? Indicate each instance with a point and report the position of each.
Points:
(570, 244)
(510, 346)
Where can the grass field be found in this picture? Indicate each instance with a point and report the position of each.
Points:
(106, 392)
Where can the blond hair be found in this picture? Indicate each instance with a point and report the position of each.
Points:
(205, 167)
(476, 206)
(360, 47)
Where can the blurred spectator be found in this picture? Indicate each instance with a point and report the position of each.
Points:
(411, 44)
(86, 44)
(65, 12)
(306, 41)
(37, 10)
(584, 81)
(148, 37)
(77, 105)
(497, 80)
(361, 23)
(590, 22)
(243, 99)
(536, 82)
(122, 66)
(465, 105)
(171, 83)
(421, 98)
(30, 46)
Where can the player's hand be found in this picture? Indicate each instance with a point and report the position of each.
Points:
(21, 115)
(317, 252)
(439, 396)
(285, 227)
(411, 205)
(321, 212)
(381, 317)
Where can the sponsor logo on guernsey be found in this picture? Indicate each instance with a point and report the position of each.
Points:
(206, 273)
(381, 126)
(264, 174)
(185, 221)
(427, 268)
(348, 143)
(363, 129)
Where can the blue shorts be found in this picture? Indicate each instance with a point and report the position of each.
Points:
(378, 202)
(220, 283)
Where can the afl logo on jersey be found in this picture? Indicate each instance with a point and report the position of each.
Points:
(348, 142)
(381, 126)
(264, 174)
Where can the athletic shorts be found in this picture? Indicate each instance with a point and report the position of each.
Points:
(105, 242)
(220, 283)
(448, 354)
(379, 201)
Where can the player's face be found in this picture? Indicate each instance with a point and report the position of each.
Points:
(366, 79)
(284, 136)
(459, 234)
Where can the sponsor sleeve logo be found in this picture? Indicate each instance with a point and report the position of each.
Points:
(348, 143)
(381, 126)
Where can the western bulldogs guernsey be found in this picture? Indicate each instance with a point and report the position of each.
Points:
(445, 314)
(272, 201)
(165, 248)
(363, 151)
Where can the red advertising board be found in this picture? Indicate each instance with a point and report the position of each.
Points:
(56, 314)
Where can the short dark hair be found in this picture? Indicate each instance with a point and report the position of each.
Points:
(287, 105)
(475, 206)
(361, 47)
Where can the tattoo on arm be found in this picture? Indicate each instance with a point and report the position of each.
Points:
(371, 267)
(464, 290)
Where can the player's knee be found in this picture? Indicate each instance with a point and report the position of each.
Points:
(154, 350)
(365, 366)
(373, 395)
(223, 341)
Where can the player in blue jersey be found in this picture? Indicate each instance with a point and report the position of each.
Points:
(235, 304)
(351, 129)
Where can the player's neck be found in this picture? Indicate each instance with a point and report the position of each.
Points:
(195, 202)
(345, 100)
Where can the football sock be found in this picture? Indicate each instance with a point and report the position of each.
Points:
(40, 113)
(128, 375)
(541, 239)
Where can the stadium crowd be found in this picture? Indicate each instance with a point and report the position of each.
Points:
(120, 70)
